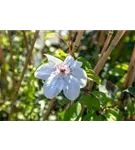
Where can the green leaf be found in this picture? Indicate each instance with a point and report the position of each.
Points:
(92, 76)
(49, 35)
(61, 115)
(72, 112)
(92, 117)
(103, 99)
(60, 54)
(113, 114)
(130, 108)
(86, 65)
(90, 102)
(87, 117)
(130, 90)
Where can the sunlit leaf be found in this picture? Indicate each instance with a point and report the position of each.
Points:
(92, 76)
(50, 35)
(113, 114)
(60, 54)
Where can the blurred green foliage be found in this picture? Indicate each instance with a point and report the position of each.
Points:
(107, 101)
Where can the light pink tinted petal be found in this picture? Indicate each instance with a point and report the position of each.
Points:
(69, 60)
(72, 88)
(44, 71)
(53, 86)
(53, 60)
(81, 76)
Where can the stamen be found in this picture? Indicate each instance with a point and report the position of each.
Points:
(63, 69)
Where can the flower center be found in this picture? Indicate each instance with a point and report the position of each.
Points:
(62, 69)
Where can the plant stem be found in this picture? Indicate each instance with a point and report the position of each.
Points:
(64, 42)
(101, 39)
(77, 41)
(131, 71)
(25, 40)
(110, 33)
(51, 104)
(100, 64)
(12, 59)
(23, 71)
(26, 44)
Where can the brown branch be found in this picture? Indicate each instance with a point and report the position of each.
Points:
(12, 59)
(109, 36)
(104, 58)
(25, 40)
(77, 40)
(51, 104)
(24, 70)
(3, 73)
(101, 38)
(68, 45)
(131, 71)
(100, 64)
(3, 79)
(72, 36)
(26, 44)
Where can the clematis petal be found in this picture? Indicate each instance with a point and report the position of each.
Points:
(81, 75)
(69, 60)
(53, 86)
(53, 60)
(77, 64)
(44, 71)
(72, 88)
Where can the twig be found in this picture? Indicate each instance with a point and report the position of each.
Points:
(70, 52)
(114, 42)
(77, 40)
(101, 40)
(12, 59)
(51, 104)
(72, 37)
(131, 71)
(110, 33)
(25, 40)
(100, 64)
(23, 72)
(26, 44)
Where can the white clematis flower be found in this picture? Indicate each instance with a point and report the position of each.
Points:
(67, 76)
